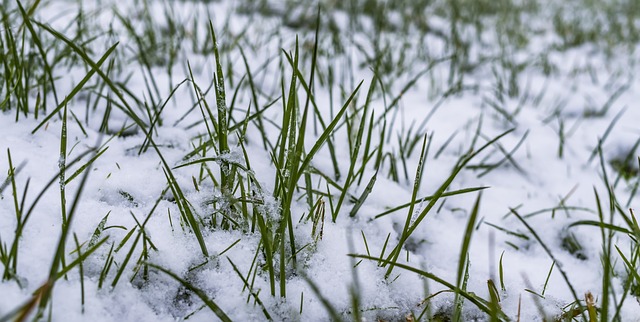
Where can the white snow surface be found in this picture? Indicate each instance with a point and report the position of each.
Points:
(123, 184)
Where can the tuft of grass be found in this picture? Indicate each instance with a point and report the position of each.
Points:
(571, 244)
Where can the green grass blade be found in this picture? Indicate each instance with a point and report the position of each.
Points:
(59, 254)
(393, 256)
(185, 210)
(463, 260)
(363, 196)
(427, 198)
(95, 67)
(253, 293)
(479, 302)
(200, 293)
(550, 254)
(327, 132)
(333, 313)
(77, 88)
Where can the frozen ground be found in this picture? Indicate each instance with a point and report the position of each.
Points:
(574, 118)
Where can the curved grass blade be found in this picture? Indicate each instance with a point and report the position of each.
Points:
(395, 253)
(427, 198)
(548, 251)
(253, 293)
(58, 257)
(95, 67)
(463, 261)
(479, 302)
(335, 316)
(77, 88)
(200, 293)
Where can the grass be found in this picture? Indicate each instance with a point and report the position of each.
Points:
(323, 100)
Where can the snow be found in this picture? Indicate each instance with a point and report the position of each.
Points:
(126, 185)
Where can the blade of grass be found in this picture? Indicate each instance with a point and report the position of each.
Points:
(479, 302)
(253, 293)
(427, 198)
(59, 254)
(200, 293)
(462, 162)
(550, 254)
(463, 260)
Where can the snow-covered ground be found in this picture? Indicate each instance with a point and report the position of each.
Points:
(547, 169)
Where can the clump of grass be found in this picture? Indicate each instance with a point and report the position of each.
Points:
(571, 244)
(625, 167)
